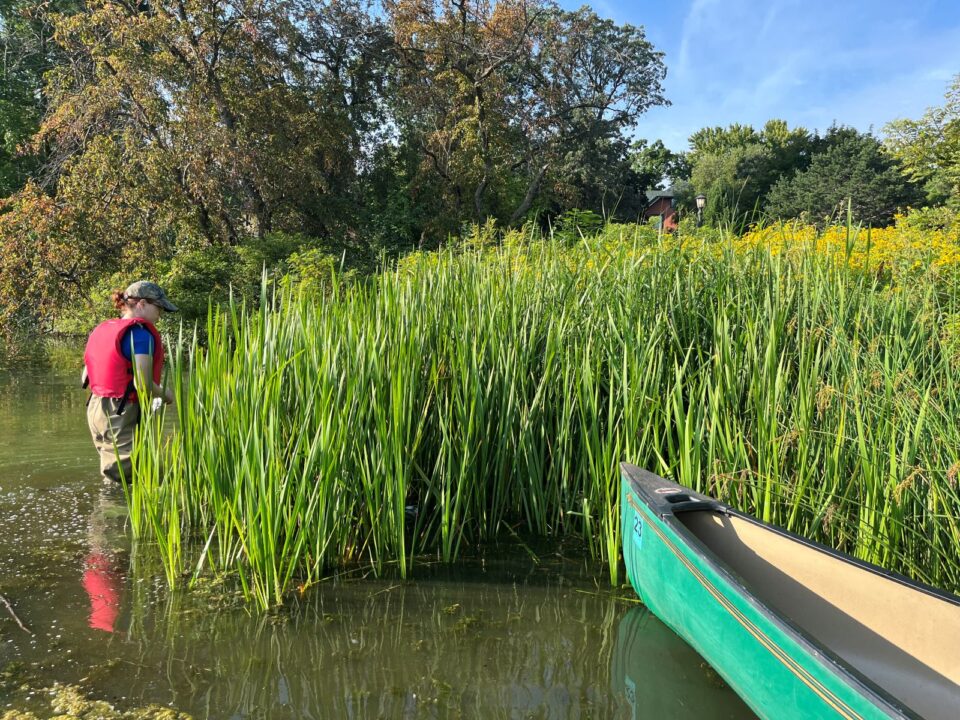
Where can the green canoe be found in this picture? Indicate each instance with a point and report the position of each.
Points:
(796, 629)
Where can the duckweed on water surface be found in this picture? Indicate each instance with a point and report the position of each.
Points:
(70, 702)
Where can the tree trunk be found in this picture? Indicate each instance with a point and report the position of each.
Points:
(533, 189)
(484, 137)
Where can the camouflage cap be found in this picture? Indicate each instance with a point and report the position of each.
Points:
(145, 290)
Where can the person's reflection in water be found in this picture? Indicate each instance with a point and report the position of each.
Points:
(103, 566)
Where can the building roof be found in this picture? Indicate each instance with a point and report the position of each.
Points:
(654, 195)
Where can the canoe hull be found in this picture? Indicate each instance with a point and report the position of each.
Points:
(776, 673)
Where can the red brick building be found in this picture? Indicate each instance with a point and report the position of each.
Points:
(661, 204)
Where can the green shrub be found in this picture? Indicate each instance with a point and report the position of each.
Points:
(572, 225)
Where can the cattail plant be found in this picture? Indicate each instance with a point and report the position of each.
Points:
(478, 392)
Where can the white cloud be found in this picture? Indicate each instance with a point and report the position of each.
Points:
(693, 25)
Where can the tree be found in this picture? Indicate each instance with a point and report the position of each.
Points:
(852, 167)
(592, 79)
(170, 128)
(929, 148)
(452, 100)
(518, 102)
(348, 56)
(791, 150)
(719, 140)
(180, 124)
(39, 263)
(206, 105)
(26, 53)
(231, 118)
(655, 164)
(734, 182)
(736, 166)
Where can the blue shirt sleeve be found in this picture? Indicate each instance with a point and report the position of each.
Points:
(142, 341)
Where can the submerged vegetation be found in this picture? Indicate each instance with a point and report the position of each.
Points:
(493, 389)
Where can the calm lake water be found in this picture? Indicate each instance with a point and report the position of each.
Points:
(510, 636)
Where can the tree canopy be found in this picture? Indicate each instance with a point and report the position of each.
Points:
(519, 104)
(851, 171)
(736, 166)
(780, 172)
(196, 141)
(169, 125)
(26, 53)
(929, 148)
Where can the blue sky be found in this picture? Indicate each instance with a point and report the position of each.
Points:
(810, 62)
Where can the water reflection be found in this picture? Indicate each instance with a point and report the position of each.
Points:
(660, 676)
(470, 642)
(103, 566)
(505, 637)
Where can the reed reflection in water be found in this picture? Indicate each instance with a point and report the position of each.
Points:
(510, 640)
(460, 643)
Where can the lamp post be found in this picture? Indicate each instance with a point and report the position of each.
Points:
(701, 203)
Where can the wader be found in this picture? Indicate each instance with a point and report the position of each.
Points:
(113, 423)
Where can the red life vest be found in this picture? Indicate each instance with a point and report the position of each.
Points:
(109, 372)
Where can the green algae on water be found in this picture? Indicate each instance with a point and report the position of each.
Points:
(69, 702)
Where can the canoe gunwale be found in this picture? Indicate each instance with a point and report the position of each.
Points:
(645, 484)
(641, 480)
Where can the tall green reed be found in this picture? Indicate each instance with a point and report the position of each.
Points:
(475, 392)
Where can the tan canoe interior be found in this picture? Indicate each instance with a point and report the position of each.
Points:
(904, 640)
